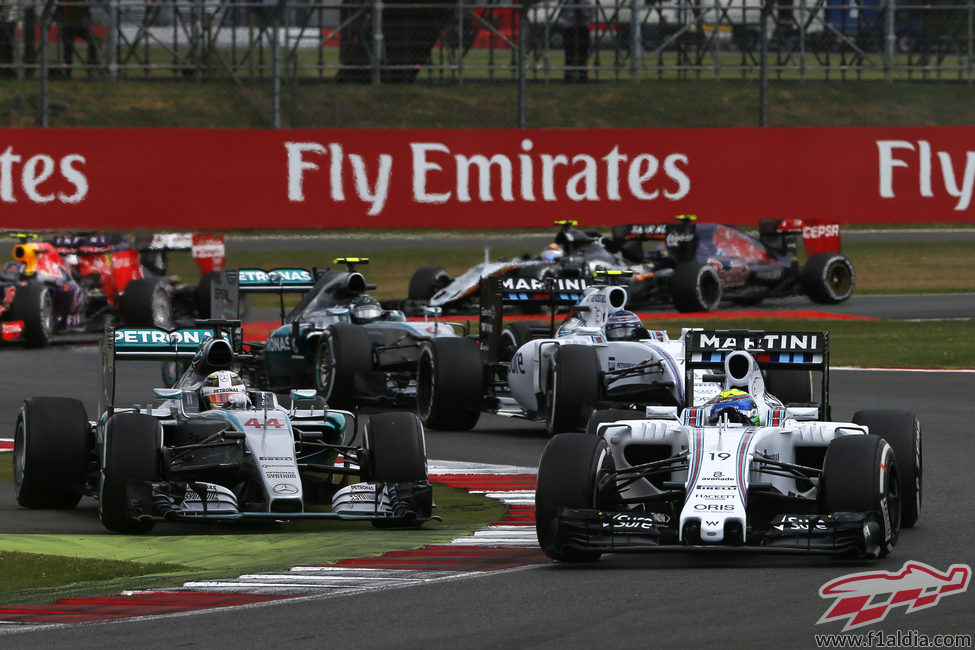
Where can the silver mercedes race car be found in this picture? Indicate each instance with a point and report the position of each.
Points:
(740, 472)
(209, 449)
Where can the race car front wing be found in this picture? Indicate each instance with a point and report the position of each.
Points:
(856, 534)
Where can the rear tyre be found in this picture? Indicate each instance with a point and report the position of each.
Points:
(51, 446)
(147, 303)
(202, 297)
(426, 281)
(695, 287)
(902, 431)
(515, 335)
(828, 278)
(34, 305)
(449, 384)
(572, 473)
(131, 454)
(860, 475)
(344, 351)
(572, 387)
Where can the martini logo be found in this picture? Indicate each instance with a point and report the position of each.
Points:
(867, 598)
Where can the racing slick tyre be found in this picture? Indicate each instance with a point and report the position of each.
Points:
(147, 303)
(828, 278)
(34, 305)
(51, 445)
(902, 431)
(131, 454)
(201, 296)
(397, 450)
(426, 281)
(344, 351)
(516, 334)
(695, 287)
(790, 386)
(610, 415)
(860, 475)
(573, 385)
(571, 474)
(449, 384)
(397, 454)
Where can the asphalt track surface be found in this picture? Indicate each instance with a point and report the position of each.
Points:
(670, 600)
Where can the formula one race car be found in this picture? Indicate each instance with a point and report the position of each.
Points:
(74, 283)
(209, 449)
(601, 357)
(740, 472)
(338, 338)
(696, 266)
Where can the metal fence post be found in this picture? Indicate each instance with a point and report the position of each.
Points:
(46, 14)
(890, 42)
(276, 66)
(522, 19)
(377, 40)
(113, 30)
(636, 40)
(763, 67)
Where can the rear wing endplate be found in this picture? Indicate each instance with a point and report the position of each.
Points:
(498, 292)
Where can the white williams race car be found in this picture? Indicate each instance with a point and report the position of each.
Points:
(601, 357)
(740, 472)
(210, 449)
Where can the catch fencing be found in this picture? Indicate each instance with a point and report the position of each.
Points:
(286, 48)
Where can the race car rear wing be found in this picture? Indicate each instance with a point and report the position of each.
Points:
(155, 344)
(794, 351)
(679, 237)
(498, 292)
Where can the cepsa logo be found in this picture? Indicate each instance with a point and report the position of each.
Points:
(41, 178)
(866, 598)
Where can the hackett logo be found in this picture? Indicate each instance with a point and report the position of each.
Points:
(920, 168)
(438, 175)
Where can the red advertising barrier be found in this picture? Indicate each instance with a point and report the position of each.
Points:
(218, 179)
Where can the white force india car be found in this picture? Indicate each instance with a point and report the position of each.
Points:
(248, 458)
(741, 472)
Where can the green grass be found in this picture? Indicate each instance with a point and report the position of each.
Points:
(431, 103)
(864, 343)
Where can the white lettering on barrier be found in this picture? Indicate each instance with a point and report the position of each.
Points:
(487, 178)
(888, 161)
(37, 171)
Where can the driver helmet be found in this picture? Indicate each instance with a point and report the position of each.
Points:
(622, 325)
(223, 389)
(553, 253)
(736, 400)
(365, 309)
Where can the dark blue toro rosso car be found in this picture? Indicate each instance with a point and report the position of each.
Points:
(697, 265)
(337, 338)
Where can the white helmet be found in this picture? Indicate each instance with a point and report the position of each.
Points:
(223, 389)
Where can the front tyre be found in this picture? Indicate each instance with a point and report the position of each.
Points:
(828, 278)
(344, 352)
(902, 431)
(575, 471)
(132, 444)
(426, 281)
(51, 446)
(860, 474)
